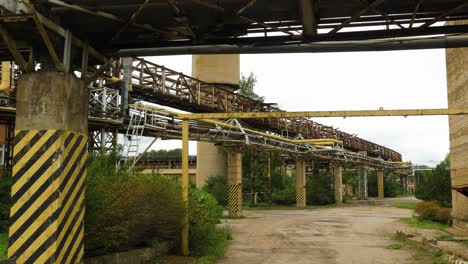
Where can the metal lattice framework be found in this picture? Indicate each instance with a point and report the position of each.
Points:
(158, 84)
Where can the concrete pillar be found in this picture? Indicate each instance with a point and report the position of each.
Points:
(457, 83)
(300, 183)
(222, 70)
(362, 182)
(338, 182)
(234, 159)
(380, 183)
(49, 169)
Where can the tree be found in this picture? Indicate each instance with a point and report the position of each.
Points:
(247, 86)
(436, 185)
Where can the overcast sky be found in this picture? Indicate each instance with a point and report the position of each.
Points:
(350, 81)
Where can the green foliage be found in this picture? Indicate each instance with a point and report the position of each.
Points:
(5, 201)
(125, 211)
(319, 190)
(247, 86)
(392, 187)
(436, 185)
(3, 245)
(217, 186)
(205, 213)
(164, 153)
(285, 193)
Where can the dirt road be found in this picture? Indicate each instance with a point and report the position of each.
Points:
(350, 234)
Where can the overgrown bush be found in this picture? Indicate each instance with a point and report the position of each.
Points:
(434, 212)
(217, 186)
(5, 202)
(205, 213)
(319, 190)
(436, 185)
(427, 210)
(125, 211)
(444, 216)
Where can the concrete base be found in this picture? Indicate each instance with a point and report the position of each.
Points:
(49, 170)
(234, 184)
(300, 183)
(211, 161)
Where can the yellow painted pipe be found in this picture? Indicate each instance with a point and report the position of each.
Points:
(185, 186)
(350, 113)
(323, 141)
(6, 81)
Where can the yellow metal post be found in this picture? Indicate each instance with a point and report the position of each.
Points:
(185, 185)
(269, 179)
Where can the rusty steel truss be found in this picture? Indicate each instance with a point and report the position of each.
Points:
(160, 85)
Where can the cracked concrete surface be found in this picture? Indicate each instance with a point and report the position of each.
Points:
(349, 234)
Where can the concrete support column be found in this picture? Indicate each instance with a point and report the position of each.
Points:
(362, 182)
(380, 183)
(224, 71)
(49, 169)
(300, 183)
(234, 159)
(338, 182)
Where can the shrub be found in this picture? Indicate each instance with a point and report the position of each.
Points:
(427, 210)
(205, 213)
(444, 216)
(5, 202)
(217, 186)
(125, 211)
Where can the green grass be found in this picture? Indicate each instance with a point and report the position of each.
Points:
(406, 205)
(394, 246)
(3, 245)
(421, 253)
(415, 222)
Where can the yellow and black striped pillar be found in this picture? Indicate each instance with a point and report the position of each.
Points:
(234, 183)
(300, 183)
(49, 170)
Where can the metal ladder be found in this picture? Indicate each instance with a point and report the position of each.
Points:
(133, 136)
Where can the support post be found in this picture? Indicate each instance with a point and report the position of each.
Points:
(300, 183)
(252, 178)
(234, 158)
(338, 182)
(380, 183)
(362, 182)
(185, 186)
(49, 169)
(269, 180)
